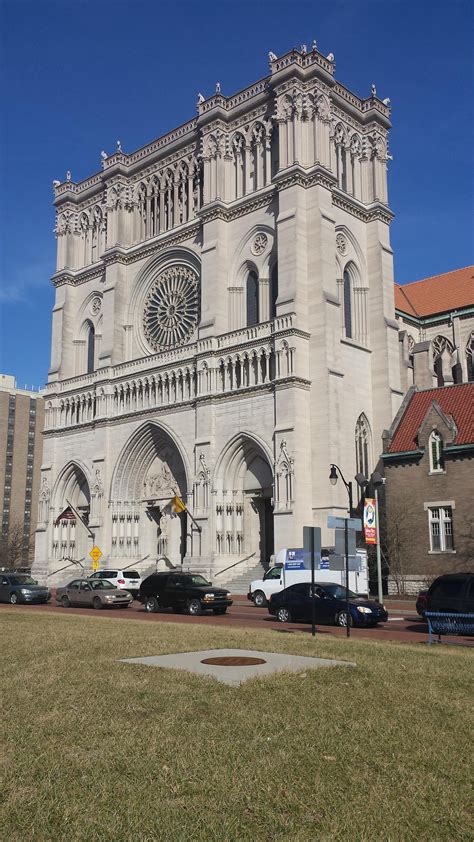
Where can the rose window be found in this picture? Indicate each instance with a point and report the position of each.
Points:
(172, 308)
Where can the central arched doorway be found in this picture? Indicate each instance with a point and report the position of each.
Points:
(244, 511)
(149, 473)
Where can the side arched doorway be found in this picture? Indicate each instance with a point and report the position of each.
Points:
(70, 539)
(149, 473)
(244, 510)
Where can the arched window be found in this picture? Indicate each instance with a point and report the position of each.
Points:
(363, 446)
(90, 348)
(252, 299)
(436, 452)
(347, 304)
(273, 290)
(442, 355)
(470, 358)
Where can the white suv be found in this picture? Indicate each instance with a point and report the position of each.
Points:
(125, 580)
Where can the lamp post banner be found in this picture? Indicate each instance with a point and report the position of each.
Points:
(370, 521)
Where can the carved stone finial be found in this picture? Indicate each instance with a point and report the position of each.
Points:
(119, 146)
(386, 101)
(373, 90)
(56, 183)
(314, 45)
(218, 87)
(104, 155)
(200, 99)
(68, 175)
(272, 56)
(330, 56)
(303, 49)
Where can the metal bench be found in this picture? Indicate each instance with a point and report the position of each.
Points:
(445, 622)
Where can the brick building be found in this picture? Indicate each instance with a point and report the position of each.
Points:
(429, 487)
(436, 329)
(21, 450)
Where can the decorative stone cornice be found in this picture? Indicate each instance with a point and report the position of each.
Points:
(366, 213)
(296, 175)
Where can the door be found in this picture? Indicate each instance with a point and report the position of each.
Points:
(445, 594)
(300, 601)
(4, 589)
(325, 606)
(175, 596)
(84, 594)
(272, 581)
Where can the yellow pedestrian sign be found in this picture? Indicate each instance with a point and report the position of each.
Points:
(96, 555)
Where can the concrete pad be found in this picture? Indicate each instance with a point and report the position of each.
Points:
(236, 675)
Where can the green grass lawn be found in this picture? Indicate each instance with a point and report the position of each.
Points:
(98, 750)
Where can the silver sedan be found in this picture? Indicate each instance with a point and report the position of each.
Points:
(95, 593)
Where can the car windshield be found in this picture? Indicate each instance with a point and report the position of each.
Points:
(339, 592)
(198, 580)
(23, 580)
(102, 585)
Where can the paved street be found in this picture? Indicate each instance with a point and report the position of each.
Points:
(402, 626)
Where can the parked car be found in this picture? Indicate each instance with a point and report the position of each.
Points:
(452, 592)
(18, 587)
(188, 592)
(126, 580)
(421, 603)
(93, 593)
(295, 603)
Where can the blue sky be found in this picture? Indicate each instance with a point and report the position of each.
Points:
(79, 75)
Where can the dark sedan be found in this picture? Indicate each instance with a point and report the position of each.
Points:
(295, 603)
(18, 587)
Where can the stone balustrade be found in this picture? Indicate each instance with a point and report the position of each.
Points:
(250, 358)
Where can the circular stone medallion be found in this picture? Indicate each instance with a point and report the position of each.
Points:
(234, 661)
(259, 244)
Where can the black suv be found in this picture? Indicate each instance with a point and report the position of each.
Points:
(452, 592)
(188, 592)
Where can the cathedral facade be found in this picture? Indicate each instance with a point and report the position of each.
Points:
(223, 329)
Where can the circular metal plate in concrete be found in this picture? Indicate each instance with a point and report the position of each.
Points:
(233, 662)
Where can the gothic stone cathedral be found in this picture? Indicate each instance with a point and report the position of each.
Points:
(223, 328)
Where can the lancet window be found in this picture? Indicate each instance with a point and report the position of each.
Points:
(169, 198)
(363, 446)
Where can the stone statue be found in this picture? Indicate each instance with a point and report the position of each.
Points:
(200, 99)
(272, 56)
(218, 87)
(104, 155)
(56, 183)
(119, 146)
(374, 90)
(68, 175)
(330, 56)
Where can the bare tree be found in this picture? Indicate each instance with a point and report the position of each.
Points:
(398, 541)
(15, 547)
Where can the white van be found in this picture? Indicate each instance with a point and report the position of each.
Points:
(289, 569)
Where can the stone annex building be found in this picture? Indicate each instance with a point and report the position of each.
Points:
(224, 328)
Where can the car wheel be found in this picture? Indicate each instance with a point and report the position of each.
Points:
(259, 599)
(13, 599)
(65, 602)
(194, 607)
(341, 619)
(97, 603)
(283, 615)
(151, 604)
(219, 610)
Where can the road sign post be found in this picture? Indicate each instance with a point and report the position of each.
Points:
(312, 546)
(350, 525)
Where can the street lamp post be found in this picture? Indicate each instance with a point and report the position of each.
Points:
(376, 480)
(335, 470)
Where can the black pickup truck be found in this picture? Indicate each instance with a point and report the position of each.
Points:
(188, 592)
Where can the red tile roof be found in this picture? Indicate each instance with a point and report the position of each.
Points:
(438, 294)
(457, 401)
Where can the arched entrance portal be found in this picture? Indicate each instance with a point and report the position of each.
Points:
(70, 538)
(244, 513)
(149, 473)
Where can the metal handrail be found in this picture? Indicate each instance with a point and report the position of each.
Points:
(234, 565)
